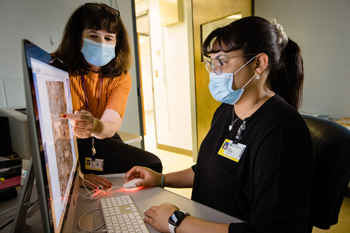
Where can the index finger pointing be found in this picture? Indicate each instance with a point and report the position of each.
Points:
(71, 116)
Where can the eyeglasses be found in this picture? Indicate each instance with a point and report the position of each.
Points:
(215, 65)
(98, 7)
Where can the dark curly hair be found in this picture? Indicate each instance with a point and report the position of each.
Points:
(256, 35)
(83, 18)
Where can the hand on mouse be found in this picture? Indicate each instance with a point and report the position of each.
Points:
(96, 180)
(150, 177)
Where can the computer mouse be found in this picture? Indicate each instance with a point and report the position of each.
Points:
(131, 183)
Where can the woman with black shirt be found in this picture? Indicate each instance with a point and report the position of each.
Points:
(256, 161)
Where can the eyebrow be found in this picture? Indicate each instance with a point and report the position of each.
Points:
(220, 56)
(96, 31)
(108, 34)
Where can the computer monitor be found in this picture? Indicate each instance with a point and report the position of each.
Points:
(53, 146)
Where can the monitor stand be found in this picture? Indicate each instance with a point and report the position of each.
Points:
(22, 221)
(19, 224)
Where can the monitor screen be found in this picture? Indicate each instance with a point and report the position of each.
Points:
(54, 154)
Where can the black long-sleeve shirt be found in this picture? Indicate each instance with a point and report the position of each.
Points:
(269, 187)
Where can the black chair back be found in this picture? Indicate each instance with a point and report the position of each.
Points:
(331, 143)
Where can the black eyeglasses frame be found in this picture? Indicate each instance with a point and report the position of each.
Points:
(96, 6)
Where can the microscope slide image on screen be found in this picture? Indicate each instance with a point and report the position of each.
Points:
(53, 99)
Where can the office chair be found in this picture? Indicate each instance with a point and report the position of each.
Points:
(331, 143)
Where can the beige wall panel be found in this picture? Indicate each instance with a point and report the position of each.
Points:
(171, 12)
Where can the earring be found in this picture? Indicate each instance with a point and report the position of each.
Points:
(257, 76)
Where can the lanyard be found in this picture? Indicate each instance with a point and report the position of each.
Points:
(242, 127)
(239, 132)
(99, 94)
(87, 107)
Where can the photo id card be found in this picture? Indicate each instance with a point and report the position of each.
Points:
(96, 165)
(231, 150)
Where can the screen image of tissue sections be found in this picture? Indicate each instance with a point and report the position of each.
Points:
(60, 129)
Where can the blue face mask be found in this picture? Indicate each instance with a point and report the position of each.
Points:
(97, 54)
(220, 87)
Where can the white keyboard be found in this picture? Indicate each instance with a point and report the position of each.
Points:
(121, 215)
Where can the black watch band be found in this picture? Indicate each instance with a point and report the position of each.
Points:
(175, 219)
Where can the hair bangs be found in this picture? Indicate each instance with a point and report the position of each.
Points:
(102, 20)
(208, 46)
(229, 41)
(221, 39)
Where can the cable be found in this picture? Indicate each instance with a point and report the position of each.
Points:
(8, 210)
(6, 217)
(106, 192)
(96, 227)
(15, 207)
(6, 224)
(93, 195)
(89, 183)
(96, 193)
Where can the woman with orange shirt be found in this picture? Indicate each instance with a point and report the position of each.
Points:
(96, 49)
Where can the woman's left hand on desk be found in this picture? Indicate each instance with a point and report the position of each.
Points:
(96, 180)
(157, 216)
(82, 122)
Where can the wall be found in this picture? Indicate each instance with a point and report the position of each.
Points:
(322, 30)
(42, 22)
(142, 24)
(170, 59)
(146, 77)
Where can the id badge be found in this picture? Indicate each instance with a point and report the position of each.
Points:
(96, 165)
(231, 150)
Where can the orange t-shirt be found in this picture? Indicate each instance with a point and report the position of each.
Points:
(114, 93)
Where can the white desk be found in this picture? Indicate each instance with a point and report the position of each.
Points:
(143, 198)
(147, 197)
(129, 138)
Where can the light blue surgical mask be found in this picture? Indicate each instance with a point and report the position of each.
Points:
(220, 86)
(96, 53)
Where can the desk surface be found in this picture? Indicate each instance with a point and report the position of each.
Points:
(143, 198)
(129, 138)
(147, 197)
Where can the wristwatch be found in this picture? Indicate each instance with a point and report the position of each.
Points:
(175, 219)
